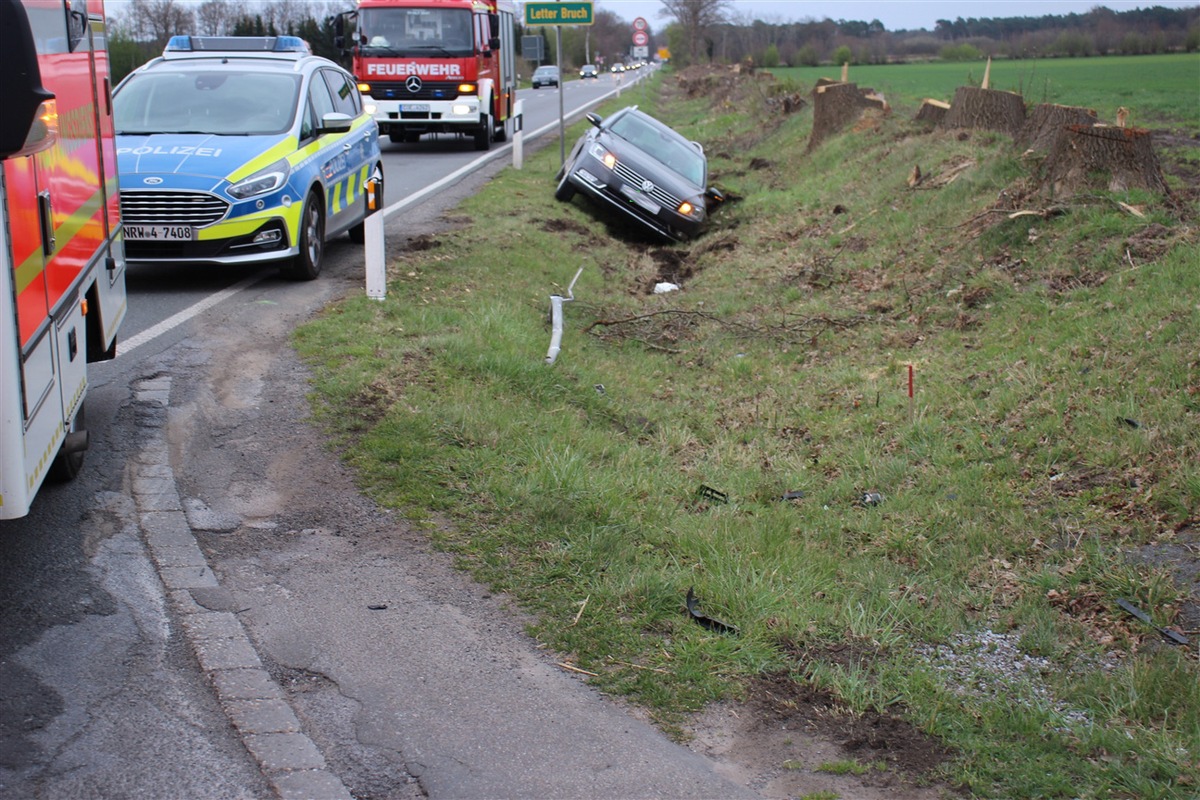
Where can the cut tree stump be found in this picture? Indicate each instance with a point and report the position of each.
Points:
(988, 109)
(1099, 157)
(933, 111)
(1046, 121)
(836, 105)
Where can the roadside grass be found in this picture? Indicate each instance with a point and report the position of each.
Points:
(1055, 427)
(1157, 89)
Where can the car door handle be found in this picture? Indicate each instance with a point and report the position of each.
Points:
(347, 146)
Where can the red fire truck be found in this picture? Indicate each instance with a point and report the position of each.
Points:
(435, 66)
(62, 260)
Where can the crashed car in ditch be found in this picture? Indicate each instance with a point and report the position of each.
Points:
(643, 169)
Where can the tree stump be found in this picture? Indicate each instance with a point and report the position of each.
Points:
(988, 109)
(932, 111)
(836, 105)
(1098, 157)
(1046, 121)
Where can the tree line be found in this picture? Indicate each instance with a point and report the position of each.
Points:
(697, 31)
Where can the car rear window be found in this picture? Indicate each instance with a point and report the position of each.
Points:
(221, 102)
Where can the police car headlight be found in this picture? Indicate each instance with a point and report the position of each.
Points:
(261, 182)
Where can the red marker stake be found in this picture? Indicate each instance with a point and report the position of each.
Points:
(910, 393)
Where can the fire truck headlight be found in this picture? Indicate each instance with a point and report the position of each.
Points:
(370, 108)
(261, 182)
(461, 109)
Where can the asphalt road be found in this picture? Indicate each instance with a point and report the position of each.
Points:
(212, 611)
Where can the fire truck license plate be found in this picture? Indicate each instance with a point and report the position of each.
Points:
(160, 233)
(414, 107)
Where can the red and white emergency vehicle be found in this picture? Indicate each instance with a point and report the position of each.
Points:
(435, 66)
(62, 261)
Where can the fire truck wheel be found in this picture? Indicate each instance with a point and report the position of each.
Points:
(358, 234)
(565, 190)
(483, 136)
(502, 132)
(66, 466)
(307, 264)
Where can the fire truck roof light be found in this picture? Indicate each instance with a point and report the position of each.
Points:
(236, 44)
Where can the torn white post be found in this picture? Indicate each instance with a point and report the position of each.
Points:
(556, 318)
(373, 246)
(518, 134)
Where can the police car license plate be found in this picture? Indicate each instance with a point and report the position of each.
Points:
(160, 233)
(414, 106)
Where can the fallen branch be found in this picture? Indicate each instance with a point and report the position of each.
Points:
(570, 668)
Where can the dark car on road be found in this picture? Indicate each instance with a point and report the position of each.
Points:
(545, 76)
(589, 71)
(645, 170)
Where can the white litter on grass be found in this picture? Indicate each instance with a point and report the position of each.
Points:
(664, 287)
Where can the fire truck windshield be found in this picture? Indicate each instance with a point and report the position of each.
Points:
(419, 32)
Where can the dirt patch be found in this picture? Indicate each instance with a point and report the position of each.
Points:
(566, 225)
(788, 739)
(1179, 554)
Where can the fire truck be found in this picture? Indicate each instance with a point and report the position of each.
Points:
(62, 261)
(434, 66)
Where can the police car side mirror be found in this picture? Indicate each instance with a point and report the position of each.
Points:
(335, 122)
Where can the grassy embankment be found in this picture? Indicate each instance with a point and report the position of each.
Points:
(1055, 430)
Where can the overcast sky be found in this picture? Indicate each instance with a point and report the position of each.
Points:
(894, 14)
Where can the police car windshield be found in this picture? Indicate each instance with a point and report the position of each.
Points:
(415, 32)
(218, 102)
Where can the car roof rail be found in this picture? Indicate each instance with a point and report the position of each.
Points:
(292, 47)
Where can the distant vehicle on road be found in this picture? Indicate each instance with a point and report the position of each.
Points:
(618, 67)
(545, 76)
(634, 164)
(589, 71)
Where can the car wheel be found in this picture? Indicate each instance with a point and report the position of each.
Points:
(483, 136)
(565, 190)
(358, 234)
(307, 264)
(66, 466)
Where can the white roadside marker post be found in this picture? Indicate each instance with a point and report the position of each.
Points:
(518, 134)
(373, 245)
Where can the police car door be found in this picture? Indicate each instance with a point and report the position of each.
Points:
(347, 204)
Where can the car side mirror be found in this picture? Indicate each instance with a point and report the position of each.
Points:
(335, 122)
(715, 195)
(494, 43)
(595, 119)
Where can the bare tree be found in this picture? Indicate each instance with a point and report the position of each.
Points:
(695, 17)
(156, 21)
(215, 17)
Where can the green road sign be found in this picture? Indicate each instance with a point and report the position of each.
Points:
(558, 13)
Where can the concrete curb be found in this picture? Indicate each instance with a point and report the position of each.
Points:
(255, 704)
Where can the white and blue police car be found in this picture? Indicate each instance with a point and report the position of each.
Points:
(243, 149)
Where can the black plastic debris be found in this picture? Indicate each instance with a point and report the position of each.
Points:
(870, 499)
(796, 495)
(377, 607)
(1131, 423)
(709, 493)
(708, 622)
(1173, 636)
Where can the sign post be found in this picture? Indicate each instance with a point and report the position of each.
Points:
(559, 14)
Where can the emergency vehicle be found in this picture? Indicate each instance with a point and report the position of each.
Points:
(435, 66)
(243, 150)
(62, 262)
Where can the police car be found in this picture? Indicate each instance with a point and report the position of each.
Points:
(243, 149)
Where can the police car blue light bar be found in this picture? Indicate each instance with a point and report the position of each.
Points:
(236, 44)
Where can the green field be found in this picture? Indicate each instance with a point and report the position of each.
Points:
(1159, 91)
(945, 567)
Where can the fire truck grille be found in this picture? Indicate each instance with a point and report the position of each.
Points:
(171, 208)
(430, 90)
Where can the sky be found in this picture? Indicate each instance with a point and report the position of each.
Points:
(894, 14)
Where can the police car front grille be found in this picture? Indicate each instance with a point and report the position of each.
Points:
(635, 179)
(430, 90)
(171, 208)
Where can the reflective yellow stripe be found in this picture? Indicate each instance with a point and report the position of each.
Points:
(281, 149)
(29, 269)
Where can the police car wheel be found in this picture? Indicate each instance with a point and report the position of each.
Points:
(307, 264)
(358, 234)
